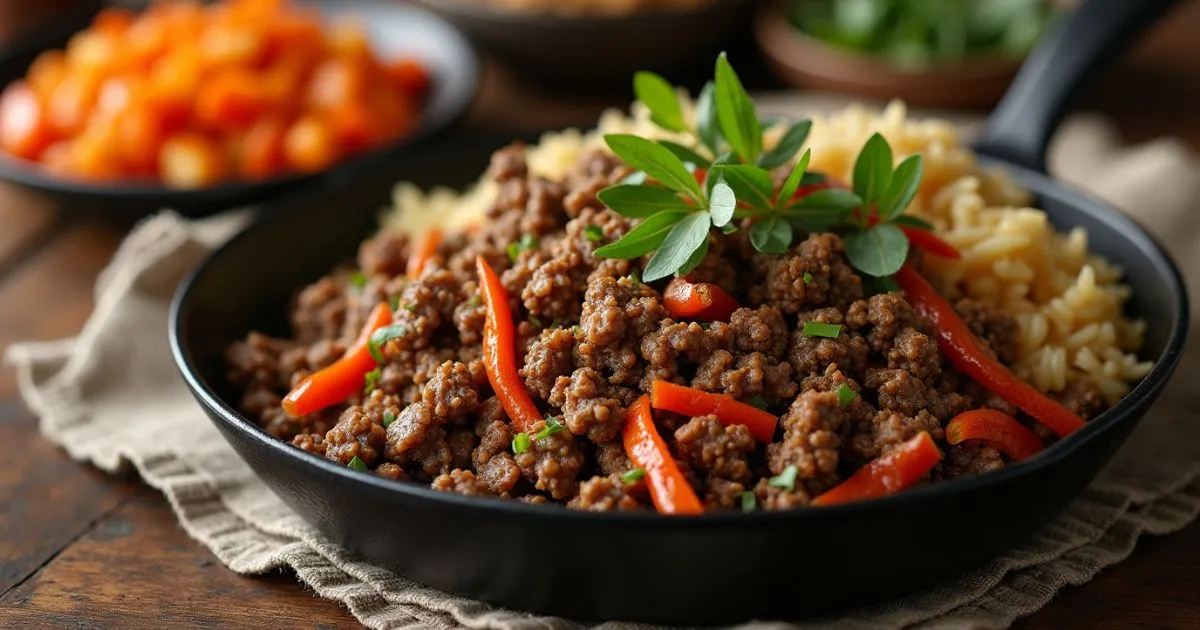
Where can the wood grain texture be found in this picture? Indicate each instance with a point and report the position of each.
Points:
(26, 221)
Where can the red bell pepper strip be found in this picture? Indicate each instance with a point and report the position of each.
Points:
(693, 402)
(669, 489)
(996, 429)
(500, 351)
(423, 248)
(895, 470)
(342, 378)
(698, 300)
(929, 242)
(962, 348)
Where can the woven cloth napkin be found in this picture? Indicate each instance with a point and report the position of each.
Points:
(111, 397)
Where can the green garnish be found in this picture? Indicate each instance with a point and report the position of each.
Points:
(886, 284)
(383, 335)
(785, 479)
(759, 401)
(388, 418)
(635, 276)
(577, 330)
(536, 321)
(819, 329)
(358, 280)
(411, 308)
(593, 233)
(676, 213)
(527, 242)
(520, 443)
(808, 278)
(394, 302)
(475, 301)
(552, 426)
(633, 475)
(370, 380)
(749, 501)
(357, 464)
(845, 395)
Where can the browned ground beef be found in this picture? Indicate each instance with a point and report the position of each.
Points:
(593, 338)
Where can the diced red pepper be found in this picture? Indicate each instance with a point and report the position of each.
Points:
(698, 300)
(694, 402)
(669, 489)
(996, 429)
(902, 466)
(341, 379)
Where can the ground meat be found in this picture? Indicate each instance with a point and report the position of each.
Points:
(462, 442)
(997, 329)
(968, 459)
(604, 494)
(1083, 398)
(319, 310)
(408, 431)
(882, 316)
(470, 316)
(386, 254)
(616, 314)
(829, 281)
(611, 458)
(433, 456)
(553, 290)
(674, 342)
(310, 443)
(903, 393)
(776, 498)
(509, 163)
(388, 470)
(715, 449)
(751, 375)
(722, 494)
(450, 392)
(917, 353)
(499, 474)
(460, 482)
(810, 441)
(589, 405)
(552, 463)
(549, 357)
(813, 355)
(355, 435)
(759, 330)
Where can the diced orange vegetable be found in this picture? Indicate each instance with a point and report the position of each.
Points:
(93, 154)
(410, 76)
(353, 127)
(46, 72)
(309, 145)
(92, 51)
(141, 133)
(23, 129)
(262, 149)
(232, 45)
(58, 158)
(190, 161)
(112, 21)
(335, 83)
(231, 99)
(68, 107)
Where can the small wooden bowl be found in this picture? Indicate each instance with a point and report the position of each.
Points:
(804, 61)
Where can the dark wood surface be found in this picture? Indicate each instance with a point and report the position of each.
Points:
(79, 549)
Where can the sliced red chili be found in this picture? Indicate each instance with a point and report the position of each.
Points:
(669, 489)
(902, 466)
(423, 249)
(342, 378)
(996, 429)
(694, 402)
(499, 351)
(698, 300)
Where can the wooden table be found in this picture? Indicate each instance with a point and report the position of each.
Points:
(80, 549)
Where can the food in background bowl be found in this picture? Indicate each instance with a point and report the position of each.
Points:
(677, 311)
(592, 7)
(191, 95)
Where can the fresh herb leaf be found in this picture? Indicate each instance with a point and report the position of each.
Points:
(905, 180)
(689, 156)
(771, 235)
(788, 145)
(821, 329)
(357, 464)
(759, 401)
(721, 204)
(752, 184)
(685, 237)
(635, 178)
(358, 280)
(735, 111)
(388, 418)
(552, 426)
(638, 201)
(792, 183)
(660, 97)
(383, 335)
(527, 242)
(646, 237)
(808, 278)
(749, 501)
(767, 122)
(520, 443)
(514, 251)
(812, 177)
(656, 160)
(785, 479)
(593, 233)
(633, 475)
(886, 284)
(823, 209)
(707, 125)
(879, 251)
(693, 260)
(873, 170)
(833, 198)
(370, 380)
(908, 220)
(845, 395)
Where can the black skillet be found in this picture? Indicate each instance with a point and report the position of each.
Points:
(394, 29)
(714, 568)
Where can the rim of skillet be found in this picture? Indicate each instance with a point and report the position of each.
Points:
(430, 123)
(1155, 380)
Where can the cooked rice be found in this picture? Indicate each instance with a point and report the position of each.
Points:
(1067, 302)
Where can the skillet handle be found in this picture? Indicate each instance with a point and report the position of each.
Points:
(1083, 41)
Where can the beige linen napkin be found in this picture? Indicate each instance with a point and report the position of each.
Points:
(111, 396)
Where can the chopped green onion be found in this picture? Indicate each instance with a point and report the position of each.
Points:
(475, 301)
(845, 394)
(636, 276)
(552, 426)
(749, 502)
(759, 401)
(785, 479)
(576, 330)
(818, 329)
(527, 242)
(388, 418)
(382, 336)
(593, 233)
(371, 380)
(357, 464)
(411, 308)
(513, 250)
(394, 302)
(520, 443)
(808, 278)
(537, 321)
(358, 279)
(633, 475)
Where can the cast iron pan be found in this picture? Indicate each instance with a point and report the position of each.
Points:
(394, 29)
(713, 568)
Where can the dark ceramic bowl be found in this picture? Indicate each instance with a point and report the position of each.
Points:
(394, 29)
(705, 569)
(588, 49)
